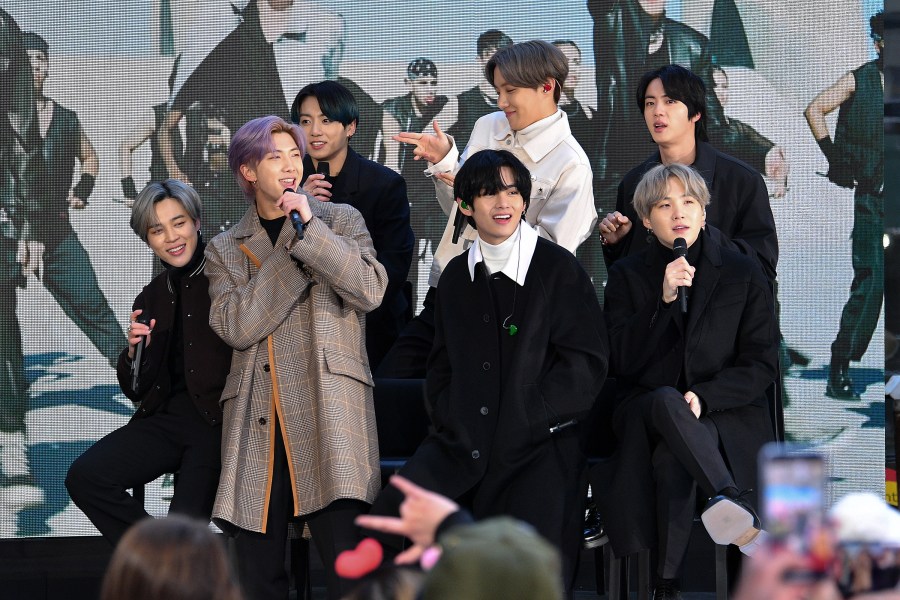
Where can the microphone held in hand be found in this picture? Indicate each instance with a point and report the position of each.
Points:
(295, 218)
(324, 168)
(138, 356)
(679, 247)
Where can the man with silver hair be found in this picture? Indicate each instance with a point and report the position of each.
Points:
(176, 384)
(693, 347)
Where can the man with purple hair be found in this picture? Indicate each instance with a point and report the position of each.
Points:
(290, 296)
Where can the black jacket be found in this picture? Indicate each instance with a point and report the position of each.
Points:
(739, 210)
(379, 194)
(207, 359)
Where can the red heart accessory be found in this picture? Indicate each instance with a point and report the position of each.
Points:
(359, 562)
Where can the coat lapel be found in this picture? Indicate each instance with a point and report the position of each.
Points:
(701, 293)
(249, 233)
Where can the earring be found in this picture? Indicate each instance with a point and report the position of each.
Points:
(253, 183)
(463, 205)
(547, 87)
(650, 236)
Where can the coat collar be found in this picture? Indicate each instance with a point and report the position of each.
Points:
(346, 184)
(516, 267)
(250, 232)
(704, 162)
(538, 139)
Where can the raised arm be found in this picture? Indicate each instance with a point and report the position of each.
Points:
(826, 101)
(246, 309)
(167, 132)
(344, 257)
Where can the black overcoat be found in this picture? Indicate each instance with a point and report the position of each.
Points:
(491, 421)
(727, 347)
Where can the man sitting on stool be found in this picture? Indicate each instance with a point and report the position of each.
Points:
(693, 345)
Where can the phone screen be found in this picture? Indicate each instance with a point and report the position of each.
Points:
(793, 498)
(793, 494)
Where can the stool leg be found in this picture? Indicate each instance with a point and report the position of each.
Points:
(618, 575)
(644, 574)
(721, 572)
(601, 571)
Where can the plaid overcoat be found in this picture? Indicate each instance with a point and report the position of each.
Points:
(295, 316)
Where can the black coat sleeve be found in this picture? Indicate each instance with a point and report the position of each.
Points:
(578, 356)
(638, 321)
(392, 234)
(752, 368)
(151, 359)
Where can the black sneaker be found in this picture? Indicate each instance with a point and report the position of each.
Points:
(594, 533)
(666, 589)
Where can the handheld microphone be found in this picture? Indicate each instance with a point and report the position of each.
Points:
(138, 352)
(324, 168)
(679, 247)
(296, 220)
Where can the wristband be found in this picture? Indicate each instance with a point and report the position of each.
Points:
(128, 188)
(827, 146)
(85, 187)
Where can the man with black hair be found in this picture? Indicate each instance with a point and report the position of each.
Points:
(480, 99)
(328, 114)
(673, 102)
(67, 272)
(856, 161)
(519, 356)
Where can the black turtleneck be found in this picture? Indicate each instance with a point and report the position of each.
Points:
(176, 337)
(272, 227)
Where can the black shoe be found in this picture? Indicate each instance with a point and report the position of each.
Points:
(594, 533)
(730, 521)
(666, 589)
(840, 386)
(795, 357)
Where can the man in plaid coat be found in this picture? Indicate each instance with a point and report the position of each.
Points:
(299, 435)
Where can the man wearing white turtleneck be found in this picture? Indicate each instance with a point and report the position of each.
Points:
(520, 354)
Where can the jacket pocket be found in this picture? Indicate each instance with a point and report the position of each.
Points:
(537, 410)
(339, 363)
(232, 385)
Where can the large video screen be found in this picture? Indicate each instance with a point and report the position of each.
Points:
(72, 266)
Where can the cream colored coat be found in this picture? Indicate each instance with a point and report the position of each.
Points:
(295, 316)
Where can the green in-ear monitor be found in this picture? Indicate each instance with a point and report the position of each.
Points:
(463, 205)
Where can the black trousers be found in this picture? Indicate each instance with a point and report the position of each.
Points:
(860, 315)
(174, 440)
(13, 386)
(261, 556)
(683, 454)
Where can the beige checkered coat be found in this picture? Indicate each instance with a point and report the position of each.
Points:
(311, 297)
